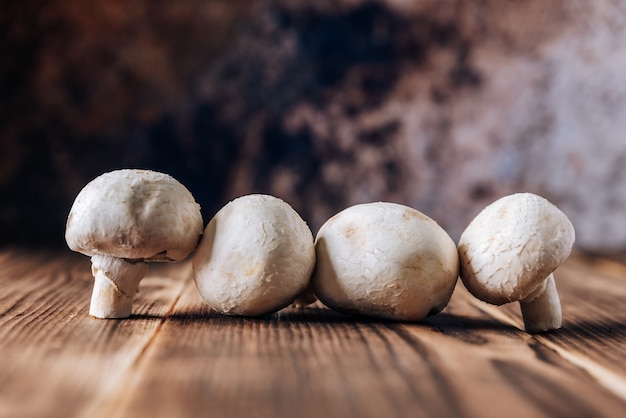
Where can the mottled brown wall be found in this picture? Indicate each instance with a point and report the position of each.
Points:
(442, 105)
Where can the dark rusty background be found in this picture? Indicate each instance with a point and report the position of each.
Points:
(280, 97)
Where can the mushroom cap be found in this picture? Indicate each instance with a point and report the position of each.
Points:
(256, 256)
(384, 260)
(134, 214)
(512, 246)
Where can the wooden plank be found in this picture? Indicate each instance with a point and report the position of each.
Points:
(311, 363)
(593, 296)
(56, 360)
(176, 358)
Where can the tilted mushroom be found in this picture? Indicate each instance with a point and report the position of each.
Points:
(124, 219)
(256, 257)
(509, 251)
(384, 260)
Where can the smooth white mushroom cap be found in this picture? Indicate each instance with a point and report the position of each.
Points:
(256, 257)
(134, 214)
(512, 246)
(385, 260)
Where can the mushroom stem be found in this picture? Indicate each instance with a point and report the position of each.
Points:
(116, 283)
(542, 312)
(305, 298)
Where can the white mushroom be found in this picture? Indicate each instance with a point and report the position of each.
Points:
(123, 219)
(509, 251)
(384, 260)
(256, 257)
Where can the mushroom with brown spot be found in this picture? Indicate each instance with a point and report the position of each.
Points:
(255, 258)
(509, 251)
(124, 219)
(384, 260)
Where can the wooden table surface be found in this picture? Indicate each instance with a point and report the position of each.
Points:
(175, 358)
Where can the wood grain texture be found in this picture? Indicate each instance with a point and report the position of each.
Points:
(57, 360)
(593, 293)
(174, 357)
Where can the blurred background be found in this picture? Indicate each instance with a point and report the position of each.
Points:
(441, 105)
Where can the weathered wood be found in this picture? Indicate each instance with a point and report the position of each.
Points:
(56, 360)
(176, 358)
(593, 296)
(318, 363)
